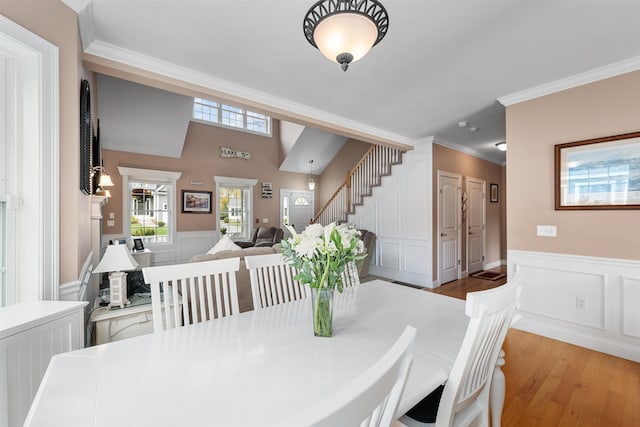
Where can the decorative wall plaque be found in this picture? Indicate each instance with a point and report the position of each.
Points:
(267, 190)
(230, 152)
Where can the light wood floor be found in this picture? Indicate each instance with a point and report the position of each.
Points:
(551, 383)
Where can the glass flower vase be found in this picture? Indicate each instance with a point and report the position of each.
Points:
(322, 302)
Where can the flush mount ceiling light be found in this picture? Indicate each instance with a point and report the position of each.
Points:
(502, 146)
(345, 30)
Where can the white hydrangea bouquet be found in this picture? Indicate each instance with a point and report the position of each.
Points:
(320, 254)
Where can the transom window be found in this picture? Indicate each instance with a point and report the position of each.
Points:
(230, 116)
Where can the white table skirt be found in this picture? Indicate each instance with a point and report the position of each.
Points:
(249, 369)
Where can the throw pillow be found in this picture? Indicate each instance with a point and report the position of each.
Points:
(225, 244)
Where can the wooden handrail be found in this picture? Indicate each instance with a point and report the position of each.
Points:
(375, 163)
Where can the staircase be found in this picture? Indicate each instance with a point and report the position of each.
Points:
(368, 173)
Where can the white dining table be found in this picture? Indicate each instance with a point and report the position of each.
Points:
(250, 369)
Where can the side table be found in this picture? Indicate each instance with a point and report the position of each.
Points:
(119, 323)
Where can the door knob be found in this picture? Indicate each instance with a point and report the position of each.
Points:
(443, 234)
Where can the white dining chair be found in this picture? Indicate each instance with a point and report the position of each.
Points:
(465, 396)
(192, 292)
(272, 280)
(371, 399)
(350, 275)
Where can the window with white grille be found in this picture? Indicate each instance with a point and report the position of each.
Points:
(230, 116)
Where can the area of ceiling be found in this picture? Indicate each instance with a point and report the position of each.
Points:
(441, 62)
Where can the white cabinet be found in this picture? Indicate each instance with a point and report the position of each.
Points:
(30, 334)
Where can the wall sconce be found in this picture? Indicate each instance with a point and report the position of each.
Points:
(105, 181)
(502, 146)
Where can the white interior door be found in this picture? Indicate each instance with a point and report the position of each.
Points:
(475, 225)
(449, 187)
(296, 208)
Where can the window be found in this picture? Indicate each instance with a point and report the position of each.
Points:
(230, 116)
(234, 199)
(29, 175)
(150, 205)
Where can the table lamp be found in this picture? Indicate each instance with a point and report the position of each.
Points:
(115, 261)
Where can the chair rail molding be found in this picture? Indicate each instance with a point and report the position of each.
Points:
(587, 301)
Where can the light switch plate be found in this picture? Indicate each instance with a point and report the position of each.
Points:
(110, 223)
(546, 230)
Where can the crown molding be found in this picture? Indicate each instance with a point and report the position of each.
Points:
(85, 25)
(470, 151)
(243, 94)
(612, 70)
(77, 5)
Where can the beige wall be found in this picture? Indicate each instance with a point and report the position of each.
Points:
(446, 159)
(604, 108)
(335, 173)
(201, 161)
(56, 23)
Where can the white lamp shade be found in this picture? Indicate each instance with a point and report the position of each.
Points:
(502, 146)
(345, 33)
(312, 184)
(105, 180)
(116, 258)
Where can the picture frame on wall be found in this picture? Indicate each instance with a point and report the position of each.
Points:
(601, 173)
(493, 193)
(196, 201)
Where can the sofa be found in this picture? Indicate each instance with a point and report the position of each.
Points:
(243, 283)
(262, 236)
(369, 241)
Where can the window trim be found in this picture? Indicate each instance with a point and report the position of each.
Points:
(33, 264)
(135, 174)
(233, 181)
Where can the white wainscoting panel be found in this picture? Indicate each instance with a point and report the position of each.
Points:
(631, 306)
(588, 301)
(390, 207)
(399, 212)
(414, 256)
(577, 297)
(389, 254)
(186, 244)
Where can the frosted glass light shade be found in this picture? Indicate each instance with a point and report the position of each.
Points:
(345, 33)
(105, 180)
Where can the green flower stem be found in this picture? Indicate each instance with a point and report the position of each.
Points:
(322, 309)
(322, 322)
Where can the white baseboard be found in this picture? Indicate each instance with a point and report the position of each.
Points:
(587, 301)
(494, 264)
(402, 276)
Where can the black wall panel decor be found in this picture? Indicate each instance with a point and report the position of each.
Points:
(86, 138)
